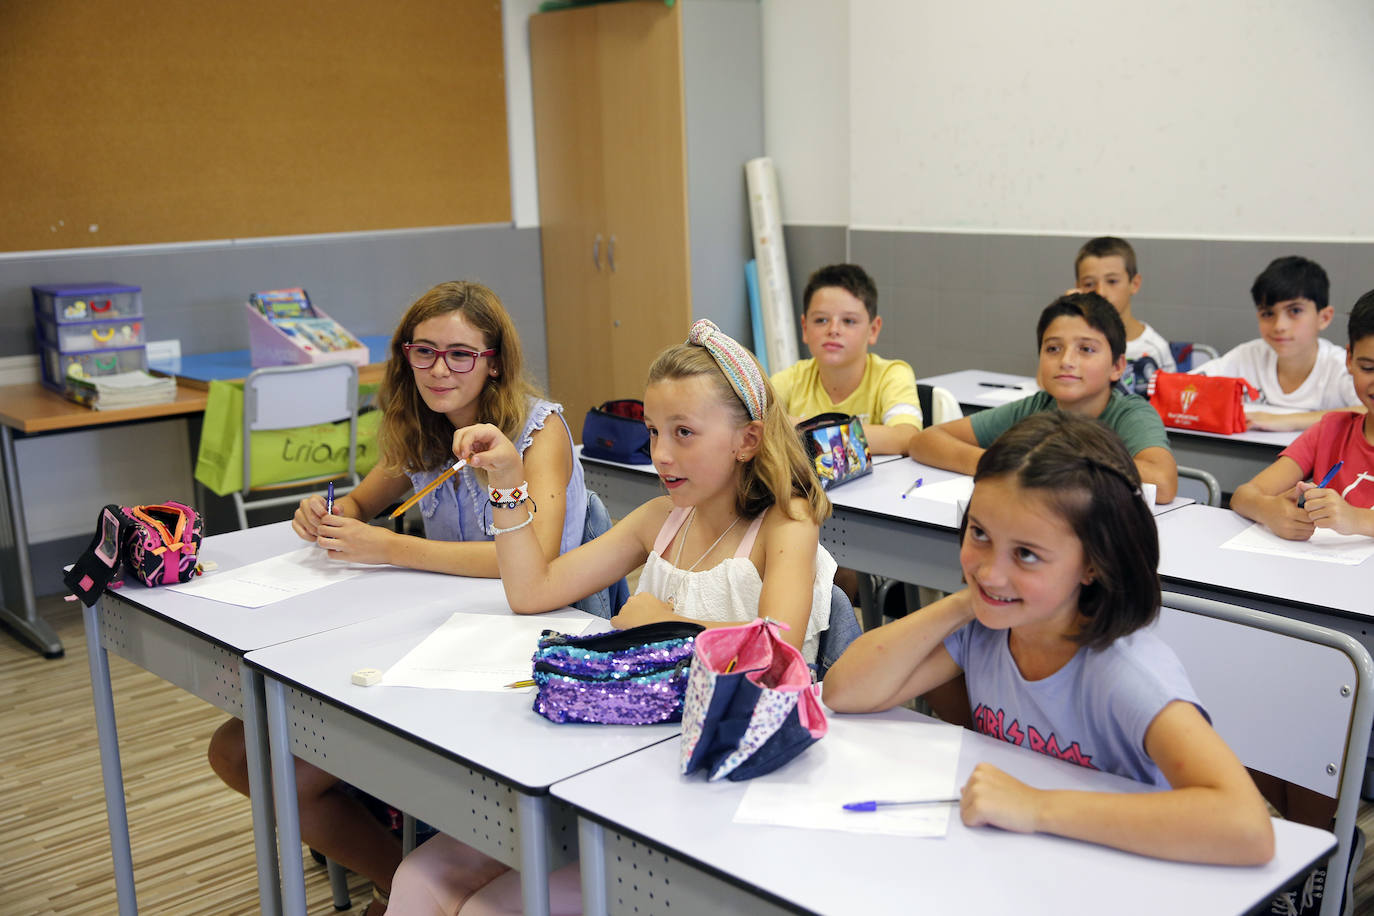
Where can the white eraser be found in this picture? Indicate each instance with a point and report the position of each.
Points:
(366, 677)
(209, 565)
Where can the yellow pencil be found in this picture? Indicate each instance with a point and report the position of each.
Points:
(519, 684)
(438, 481)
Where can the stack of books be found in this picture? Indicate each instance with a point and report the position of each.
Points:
(123, 389)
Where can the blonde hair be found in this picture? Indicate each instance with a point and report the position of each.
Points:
(412, 436)
(780, 469)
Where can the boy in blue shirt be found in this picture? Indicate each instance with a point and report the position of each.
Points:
(1082, 355)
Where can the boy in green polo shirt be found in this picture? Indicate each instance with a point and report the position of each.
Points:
(1082, 354)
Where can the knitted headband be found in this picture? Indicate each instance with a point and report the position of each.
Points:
(736, 362)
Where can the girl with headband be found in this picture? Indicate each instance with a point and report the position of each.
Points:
(736, 537)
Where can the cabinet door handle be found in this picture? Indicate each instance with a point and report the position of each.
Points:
(596, 252)
(610, 254)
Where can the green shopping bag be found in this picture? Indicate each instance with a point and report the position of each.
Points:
(278, 455)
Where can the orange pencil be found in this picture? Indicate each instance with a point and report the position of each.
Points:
(401, 509)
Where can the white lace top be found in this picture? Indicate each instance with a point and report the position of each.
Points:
(729, 591)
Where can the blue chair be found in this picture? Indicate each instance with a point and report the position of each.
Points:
(605, 603)
(843, 630)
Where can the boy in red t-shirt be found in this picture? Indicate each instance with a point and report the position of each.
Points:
(1346, 504)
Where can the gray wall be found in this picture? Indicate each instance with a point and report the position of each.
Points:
(970, 300)
(196, 293)
(723, 89)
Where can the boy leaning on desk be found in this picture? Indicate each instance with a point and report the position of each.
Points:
(1290, 363)
(1337, 454)
(1082, 345)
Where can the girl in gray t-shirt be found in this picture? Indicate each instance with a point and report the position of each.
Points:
(1060, 552)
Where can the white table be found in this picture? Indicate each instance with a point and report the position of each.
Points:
(477, 765)
(654, 841)
(199, 644)
(1327, 594)
(1232, 459)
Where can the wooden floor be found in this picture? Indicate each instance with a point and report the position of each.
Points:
(192, 836)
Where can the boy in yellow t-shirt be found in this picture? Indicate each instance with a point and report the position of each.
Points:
(839, 323)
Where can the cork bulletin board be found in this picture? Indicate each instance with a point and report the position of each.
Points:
(148, 121)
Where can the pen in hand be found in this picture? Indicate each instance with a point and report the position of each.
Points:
(875, 805)
(329, 499)
(1330, 475)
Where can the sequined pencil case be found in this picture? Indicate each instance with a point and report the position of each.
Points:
(622, 677)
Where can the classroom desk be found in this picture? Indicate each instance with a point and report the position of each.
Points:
(477, 765)
(32, 410)
(1192, 561)
(199, 645)
(655, 841)
(198, 370)
(1232, 459)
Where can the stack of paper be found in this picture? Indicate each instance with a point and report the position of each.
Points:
(123, 389)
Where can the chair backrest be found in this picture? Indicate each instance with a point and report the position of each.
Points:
(1188, 355)
(605, 603)
(286, 397)
(1291, 699)
(938, 405)
(1199, 485)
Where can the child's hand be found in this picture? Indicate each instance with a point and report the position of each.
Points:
(1290, 521)
(642, 608)
(1327, 509)
(306, 521)
(484, 446)
(992, 798)
(354, 541)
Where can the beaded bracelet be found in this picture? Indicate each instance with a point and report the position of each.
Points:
(508, 498)
(493, 530)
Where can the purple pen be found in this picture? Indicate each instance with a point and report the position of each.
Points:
(862, 806)
(329, 499)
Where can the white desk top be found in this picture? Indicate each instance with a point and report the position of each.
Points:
(1190, 550)
(531, 752)
(240, 629)
(971, 870)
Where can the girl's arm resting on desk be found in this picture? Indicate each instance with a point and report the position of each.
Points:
(1213, 814)
(1271, 498)
(1289, 422)
(951, 446)
(894, 663)
(377, 490)
(1157, 466)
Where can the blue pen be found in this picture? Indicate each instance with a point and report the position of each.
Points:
(919, 481)
(329, 499)
(875, 805)
(1330, 475)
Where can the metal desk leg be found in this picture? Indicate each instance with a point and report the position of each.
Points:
(284, 794)
(110, 768)
(591, 843)
(260, 790)
(18, 580)
(533, 814)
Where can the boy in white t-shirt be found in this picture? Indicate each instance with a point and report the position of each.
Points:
(1106, 266)
(1290, 363)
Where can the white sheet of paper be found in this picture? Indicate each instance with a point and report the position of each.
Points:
(1005, 395)
(862, 760)
(1325, 546)
(268, 581)
(952, 496)
(476, 652)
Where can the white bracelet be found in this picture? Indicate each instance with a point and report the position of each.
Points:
(493, 530)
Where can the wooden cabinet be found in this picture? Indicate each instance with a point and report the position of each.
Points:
(611, 153)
